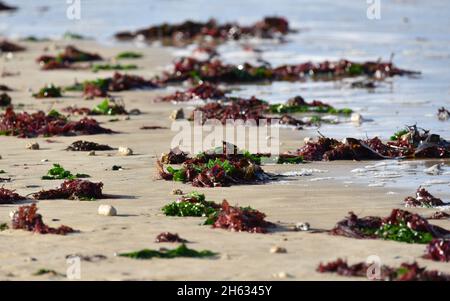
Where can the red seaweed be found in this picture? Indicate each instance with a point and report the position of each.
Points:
(215, 71)
(414, 144)
(169, 237)
(65, 60)
(27, 125)
(423, 199)
(119, 82)
(190, 31)
(392, 227)
(27, 218)
(9, 196)
(406, 271)
(241, 219)
(438, 250)
(73, 190)
(202, 91)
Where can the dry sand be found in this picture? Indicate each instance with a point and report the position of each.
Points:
(140, 196)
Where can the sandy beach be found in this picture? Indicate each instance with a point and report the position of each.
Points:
(139, 195)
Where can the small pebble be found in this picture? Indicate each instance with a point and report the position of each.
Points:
(107, 210)
(32, 146)
(44, 160)
(91, 153)
(281, 275)
(177, 114)
(302, 226)
(125, 151)
(356, 118)
(278, 250)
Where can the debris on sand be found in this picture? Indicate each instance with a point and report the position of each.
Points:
(240, 219)
(25, 125)
(202, 91)
(65, 59)
(406, 271)
(32, 146)
(128, 55)
(181, 251)
(439, 215)
(49, 91)
(87, 146)
(423, 199)
(169, 237)
(190, 31)
(28, 219)
(443, 114)
(438, 250)
(215, 71)
(73, 190)
(9, 196)
(5, 100)
(5, 88)
(6, 46)
(400, 225)
(412, 144)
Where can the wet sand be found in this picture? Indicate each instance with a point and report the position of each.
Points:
(139, 196)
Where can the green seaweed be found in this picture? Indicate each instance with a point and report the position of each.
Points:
(403, 233)
(50, 91)
(107, 107)
(41, 272)
(284, 109)
(398, 135)
(3, 227)
(179, 175)
(181, 251)
(129, 55)
(57, 172)
(108, 67)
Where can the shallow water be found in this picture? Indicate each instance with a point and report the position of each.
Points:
(416, 32)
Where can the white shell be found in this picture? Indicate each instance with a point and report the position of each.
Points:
(125, 151)
(107, 210)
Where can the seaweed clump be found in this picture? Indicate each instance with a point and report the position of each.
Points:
(423, 199)
(169, 237)
(215, 171)
(406, 271)
(5, 100)
(438, 250)
(181, 251)
(215, 71)
(73, 190)
(202, 91)
(6, 7)
(6, 46)
(86, 146)
(400, 225)
(192, 204)
(241, 219)
(9, 196)
(28, 219)
(27, 125)
(66, 59)
(119, 82)
(57, 172)
(50, 91)
(412, 143)
(190, 31)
